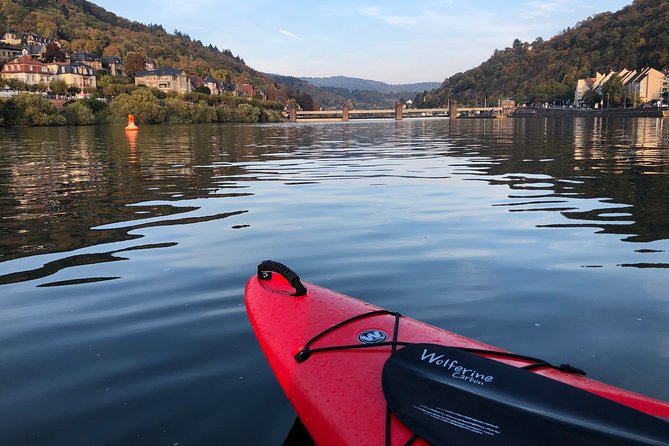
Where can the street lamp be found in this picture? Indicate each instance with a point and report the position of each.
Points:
(625, 98)
(608, 101)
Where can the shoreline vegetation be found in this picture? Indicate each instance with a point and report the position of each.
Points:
(149, 105)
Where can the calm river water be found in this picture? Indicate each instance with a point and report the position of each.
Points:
(123, 262)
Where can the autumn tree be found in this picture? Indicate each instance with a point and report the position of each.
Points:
(134, 63)
(53, 53)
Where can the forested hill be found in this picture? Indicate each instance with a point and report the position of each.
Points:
(83, 26)
(635, 37)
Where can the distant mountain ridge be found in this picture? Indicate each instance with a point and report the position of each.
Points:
(354, 83)
(329, 96)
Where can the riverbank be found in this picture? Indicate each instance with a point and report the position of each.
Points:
(525, 112)
(150, 106)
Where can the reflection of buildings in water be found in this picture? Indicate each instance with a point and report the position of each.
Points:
(647, 132)
(626, 142)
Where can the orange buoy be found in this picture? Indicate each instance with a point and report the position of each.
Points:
(131, 124)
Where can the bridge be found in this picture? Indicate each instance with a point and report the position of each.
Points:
(396, 113)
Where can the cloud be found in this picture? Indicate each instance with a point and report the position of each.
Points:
(546, 9)
(288, 34)
(395, 20)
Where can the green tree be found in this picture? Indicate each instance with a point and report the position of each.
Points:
(248, 113)
(203, 113)
(34, 110)
(203, 89)
(141, 103)
(591, 97)
(58, 87)
(612, 91)
(176, 111)
(79, 113)
(73, 90)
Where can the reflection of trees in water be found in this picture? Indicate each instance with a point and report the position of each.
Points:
(59, 183)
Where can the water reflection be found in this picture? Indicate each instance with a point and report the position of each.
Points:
(62, 187)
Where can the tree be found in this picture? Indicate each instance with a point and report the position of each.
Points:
(203, 89)
(53, 53)
(134, 63)
(612, 91)
(306, 102)
(73, 90)
(79, 113)
(591, 97)
(141, 103)
(34, 110)
(58, 87)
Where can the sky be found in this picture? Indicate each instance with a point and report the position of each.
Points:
(390, 41)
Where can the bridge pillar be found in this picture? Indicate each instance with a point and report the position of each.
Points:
(344, 112)
(453, 109)
(399, 111)
(292, 113)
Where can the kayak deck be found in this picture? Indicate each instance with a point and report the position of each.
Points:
(338, 394)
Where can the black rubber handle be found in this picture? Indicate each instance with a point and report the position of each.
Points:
(270, 266)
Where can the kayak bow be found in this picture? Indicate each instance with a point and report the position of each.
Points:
(359, 374)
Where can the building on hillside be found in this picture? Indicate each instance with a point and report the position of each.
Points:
(90, 59)
(195, 82)
(244, 90)
(75, 74)
(33, 39)
(11, 37)
(641, 86)
(113, 65)
(212, 84)
(165, 79)
(33, 72)
(226, 87)
(28, 70)
(8, 52)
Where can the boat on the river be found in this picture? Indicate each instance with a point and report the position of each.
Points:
(359, 374)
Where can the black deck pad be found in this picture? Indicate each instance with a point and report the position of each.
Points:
(452, 397)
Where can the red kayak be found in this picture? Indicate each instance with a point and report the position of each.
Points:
(357, 374)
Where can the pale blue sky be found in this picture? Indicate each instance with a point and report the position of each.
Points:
(390, 41)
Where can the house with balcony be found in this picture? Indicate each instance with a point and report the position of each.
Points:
(165, 79)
